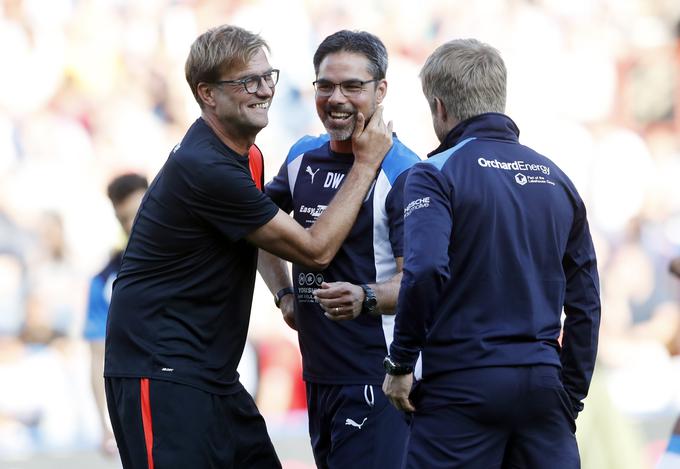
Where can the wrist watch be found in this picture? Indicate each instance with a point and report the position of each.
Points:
(394, 368)
(281, 293)
(370, 304)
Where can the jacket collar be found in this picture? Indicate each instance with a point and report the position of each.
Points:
(489, 125)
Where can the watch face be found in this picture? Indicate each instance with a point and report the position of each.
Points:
(388, 364)
(392, 368)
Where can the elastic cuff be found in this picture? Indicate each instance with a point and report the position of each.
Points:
(403, 356)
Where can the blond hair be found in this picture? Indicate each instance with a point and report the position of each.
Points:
(218, 50)
(468, 76)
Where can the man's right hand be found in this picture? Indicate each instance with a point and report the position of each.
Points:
(370, 143)
(397, 389)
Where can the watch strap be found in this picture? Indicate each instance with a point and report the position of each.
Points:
(281, 293)
(370, 303)
(394, 368)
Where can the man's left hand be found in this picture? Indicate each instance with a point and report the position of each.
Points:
(397, 388)
(341, 301)
(287, 307)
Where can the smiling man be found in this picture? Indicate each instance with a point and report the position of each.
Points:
(343, 313)
(181, 303)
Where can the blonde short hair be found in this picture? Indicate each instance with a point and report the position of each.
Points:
(468, 76)
(220, 49)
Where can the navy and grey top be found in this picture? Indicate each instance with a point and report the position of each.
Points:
(344, 352)
(497, 245)
(181, 303)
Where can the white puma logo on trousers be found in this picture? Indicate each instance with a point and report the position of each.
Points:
(352, 423)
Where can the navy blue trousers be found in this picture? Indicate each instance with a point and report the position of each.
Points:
(355, 426)
(497, 417)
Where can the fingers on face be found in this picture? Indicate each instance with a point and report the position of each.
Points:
(377, 115)
(359, 125)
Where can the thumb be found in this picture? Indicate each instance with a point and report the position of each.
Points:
(358, 126)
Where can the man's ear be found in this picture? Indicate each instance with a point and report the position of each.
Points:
(207, 94)
(381, 91)
(440, 110)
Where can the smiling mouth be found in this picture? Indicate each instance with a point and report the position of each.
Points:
(340, 115)
(264, 105)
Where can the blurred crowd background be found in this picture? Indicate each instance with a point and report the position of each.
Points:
(91, 89)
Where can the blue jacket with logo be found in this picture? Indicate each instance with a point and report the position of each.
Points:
(496, 247)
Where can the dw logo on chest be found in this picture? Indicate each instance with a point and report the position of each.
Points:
(333, 179)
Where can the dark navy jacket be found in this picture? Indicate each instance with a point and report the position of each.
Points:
(496, 247)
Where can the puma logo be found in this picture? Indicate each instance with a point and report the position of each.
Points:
(311, 173)
(352, 423)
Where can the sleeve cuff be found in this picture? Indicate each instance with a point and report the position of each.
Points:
(403, 356)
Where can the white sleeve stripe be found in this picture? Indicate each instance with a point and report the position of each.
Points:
(383, 256)
(385, 265)
(293, 170)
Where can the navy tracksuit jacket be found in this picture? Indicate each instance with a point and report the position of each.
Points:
(496, 247)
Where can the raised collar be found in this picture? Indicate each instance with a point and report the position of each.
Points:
(488, 125)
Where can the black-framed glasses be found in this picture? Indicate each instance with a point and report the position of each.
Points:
(348, 88)
(252, 83)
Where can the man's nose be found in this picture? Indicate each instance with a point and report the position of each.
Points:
(337, 96)
(264, 89)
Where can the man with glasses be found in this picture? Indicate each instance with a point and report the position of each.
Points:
(181, 303)
(343, 313)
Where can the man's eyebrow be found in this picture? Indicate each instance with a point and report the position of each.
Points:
(254, 74)
(343, 81)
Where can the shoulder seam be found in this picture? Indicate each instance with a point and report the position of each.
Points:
(440, 159)
(305, 144)
(399, 159)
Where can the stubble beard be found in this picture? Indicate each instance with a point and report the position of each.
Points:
(340, 133)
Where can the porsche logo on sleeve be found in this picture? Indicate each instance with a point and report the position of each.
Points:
(414, 205)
